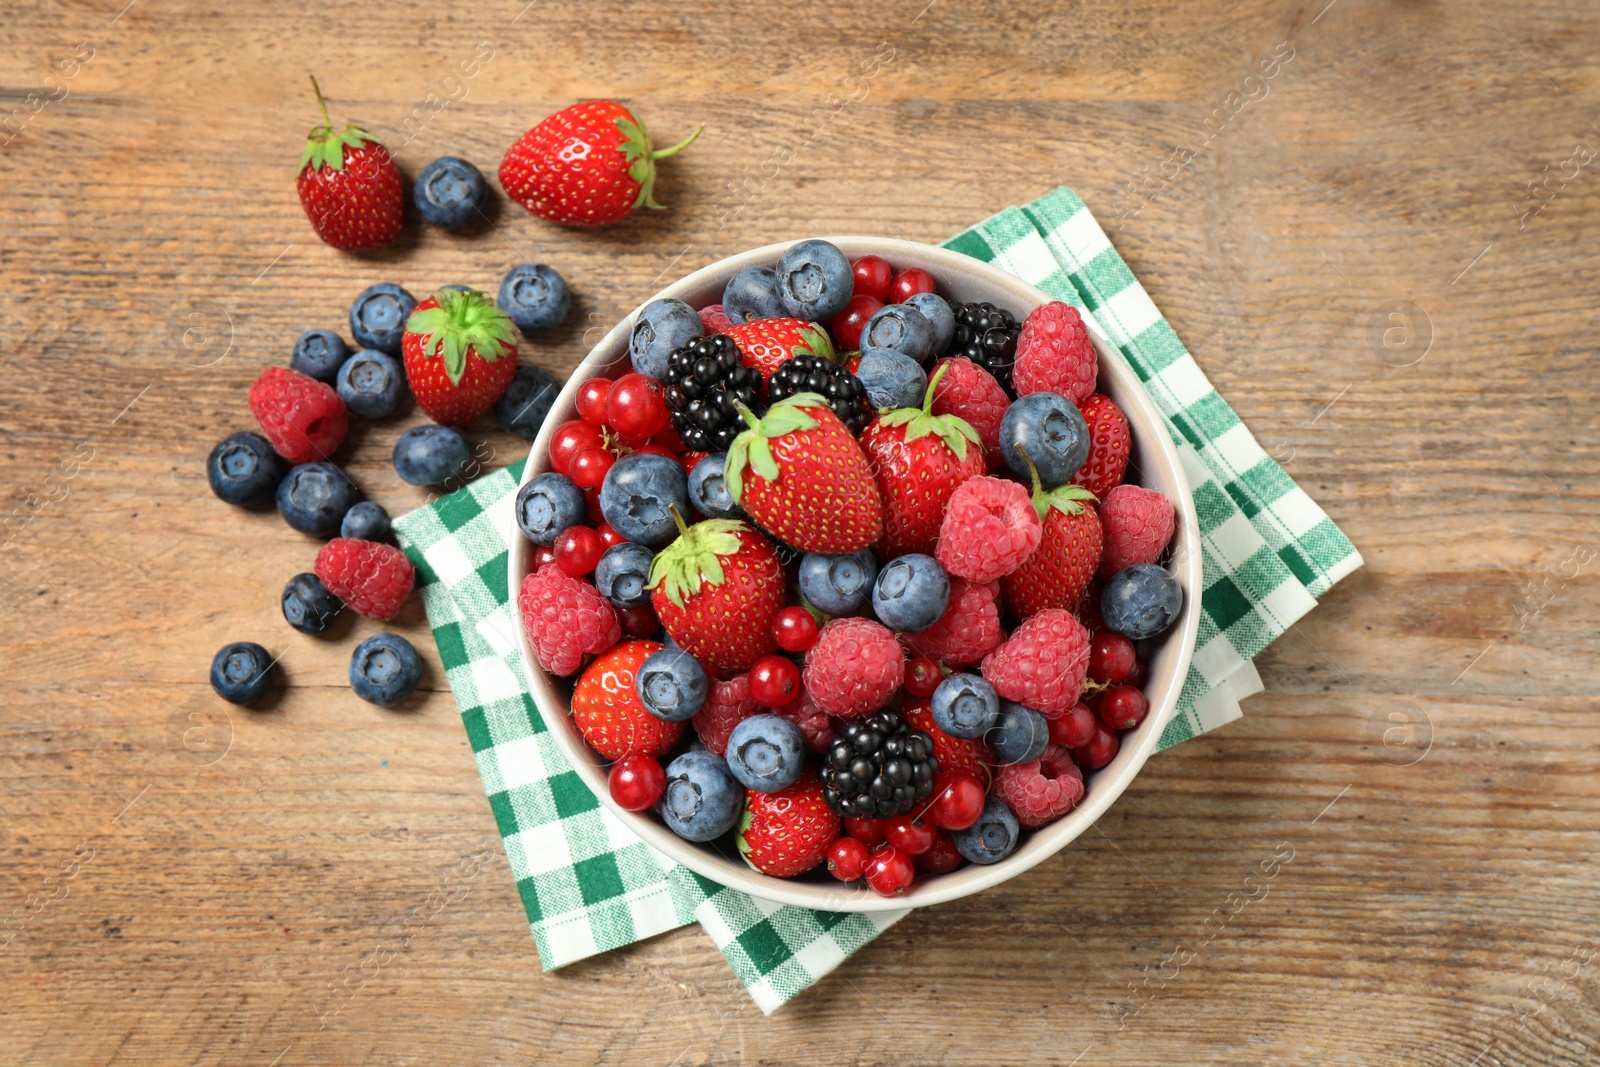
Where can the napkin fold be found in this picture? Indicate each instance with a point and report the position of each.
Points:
(589, 885)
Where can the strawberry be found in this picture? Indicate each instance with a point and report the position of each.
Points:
(919, 459)
(954, 753)
(607, 710)
(1109, 445)
(587, 165)
(788, 832)
(798, 472)
(1060, 569)
(766, 344)
(716, 589)
(460, 354)
(349, 186)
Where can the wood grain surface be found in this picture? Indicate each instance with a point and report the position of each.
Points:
(1351, 247)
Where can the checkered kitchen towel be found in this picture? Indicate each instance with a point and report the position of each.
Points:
(589, 885)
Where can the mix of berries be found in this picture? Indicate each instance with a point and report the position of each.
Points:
(845, 572)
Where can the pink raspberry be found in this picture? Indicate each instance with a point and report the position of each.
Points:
(727, 705)
(855, 667)
(972, 393)
(714, 319)
(1042, 791)
(990, 529)
(1054, 353)
(969, 628)
(1043, 663)
(566, 617)
(815, 724)
(1137, 524)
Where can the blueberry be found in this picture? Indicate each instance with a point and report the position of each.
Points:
(430, 455)
(522, 408)
(241, 673)
(318, 354)
(900, 327)
(385, 669)
(708, 491)
(941, 320)
(752, 294)
(702, 800)
(662, 325)
(623, 574)
(313, 498)
(243, 469)
(1019, 735)
(372, 384)
(838, 585)
(548, 505)
(365, 521)
(1050, 428)
(911, 592)
(766, 753)
(378, 317)
(534, 297)
(965, 706)
(671, 684)
(992, 838)
(449, 193)
(307, 604)
(637, 496)
(815, 281)
(892, 379)
(1141, 601)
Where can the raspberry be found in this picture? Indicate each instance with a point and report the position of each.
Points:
(302, 417)
(953, 753)
(727, 705)
(1109, 444)
(1137, 523)
(714, 319)
(1042, 791)
(990, 527)
(1054, 353)
(1043, 663)
(607, 710)
(969, 628)
(371, 577)
(815, 724)
(973, 393)
(854, 668)
(565, 617)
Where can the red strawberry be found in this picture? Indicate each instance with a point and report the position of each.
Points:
(587, 165)
(972, 756)
(461, 354)
(766, 344)
(1109, 445)
(919, 459)
(788, 832)
(716, 589)
(800, 473)
(607, 710)
(349, 186)
(1061, 568)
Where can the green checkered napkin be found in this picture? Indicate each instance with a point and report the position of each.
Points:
(590, 885)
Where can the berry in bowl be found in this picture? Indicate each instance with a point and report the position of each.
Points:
(855, 574)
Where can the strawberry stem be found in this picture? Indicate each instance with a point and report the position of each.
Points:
(683, 527)
(933, 383)
(750, 418)
(1033, 472)
(663, 153)
(326, 119)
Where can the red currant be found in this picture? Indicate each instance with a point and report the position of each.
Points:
(889, 873)
(922, 677)
(668, 438)
(609, 535)
(848, 324)
(1074, 729)
(588, 468)
(774, 681)
(1140, 672)
(942, 858)
(639, 621)
(1101, 750)
(636, 782)
(1123, 707)
(657, 450)
(847, 859)
(571, 438)
(578, 549)
(909, 836)
(592, 400)
(908, 283)
(543, 554)
(635, 407)
(794, 628)
(867, 831)
(1111, 658)
(957, 799)
(873, 275)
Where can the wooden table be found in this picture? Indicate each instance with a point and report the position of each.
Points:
(1352, 249)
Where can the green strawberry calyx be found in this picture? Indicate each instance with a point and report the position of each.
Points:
(465, 321)
(814, 342)
(641, 158)
(953, 430)
(694, 560)
(324, 146)
(1067, 499)
(752, 447)
(746, 821)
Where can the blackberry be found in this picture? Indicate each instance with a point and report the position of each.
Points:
(987, 335)
(878, 768)
(812, 374)
(705, 379)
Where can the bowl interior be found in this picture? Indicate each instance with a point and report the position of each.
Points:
(1154, 464)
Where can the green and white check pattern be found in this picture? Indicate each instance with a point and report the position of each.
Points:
(588, 885)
